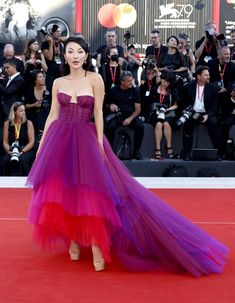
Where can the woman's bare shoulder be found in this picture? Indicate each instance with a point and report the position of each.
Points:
(94, 77)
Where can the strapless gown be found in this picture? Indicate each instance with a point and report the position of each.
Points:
(86, 194)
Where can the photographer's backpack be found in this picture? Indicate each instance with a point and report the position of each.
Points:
(175, 171)
(123, 143)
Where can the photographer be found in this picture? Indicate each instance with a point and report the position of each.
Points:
(110, 41)
(202, 96)
(187, 53)
(162, 111)
(37, 101)
(9, 53)
(133, 63)
(18, 142)
(33, 60)
(52, 50)
(156, 50)
(111, 71)
(222, 70)
(228, 114)
(125, 99)
(207, 47)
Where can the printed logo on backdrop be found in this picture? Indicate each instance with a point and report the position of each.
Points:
(173, 15)
(227, 22)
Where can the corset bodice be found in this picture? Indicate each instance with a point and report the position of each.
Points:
(81, 111)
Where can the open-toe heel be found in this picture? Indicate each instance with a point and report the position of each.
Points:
(158, 154)
(74, 252)
(170, 153)
(98, 260)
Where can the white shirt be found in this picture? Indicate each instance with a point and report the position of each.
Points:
(199, 106)
(11, 78)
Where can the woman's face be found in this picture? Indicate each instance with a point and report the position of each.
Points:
(150, 74)
(172, 42)
(34, 46)
(75, 55)
(40, 79)
(165, 83)
(20, 112)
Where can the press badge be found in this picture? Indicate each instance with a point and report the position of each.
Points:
(57, 60)
(147, 93)
(207, 58)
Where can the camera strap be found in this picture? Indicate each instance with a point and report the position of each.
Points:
(113, 72)
(156, 57)
(17, 131)
(222, 72)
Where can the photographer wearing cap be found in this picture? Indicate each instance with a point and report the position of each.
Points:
(207, 47)
(202, 96)
(52, 50)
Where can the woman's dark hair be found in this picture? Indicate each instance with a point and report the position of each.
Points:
(169, 77)
(34, 75)
(87, 66)
(28, 51)
(168, 39)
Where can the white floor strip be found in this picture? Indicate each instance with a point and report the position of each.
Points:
(196, 222)
(156, 182)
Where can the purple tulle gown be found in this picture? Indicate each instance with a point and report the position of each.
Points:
(85, 194)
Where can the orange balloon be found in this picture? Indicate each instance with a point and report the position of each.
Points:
(105, 15)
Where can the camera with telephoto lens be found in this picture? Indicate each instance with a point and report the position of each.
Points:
(15, 151)
(113, 116)
(187, 113)
(44, 31)
(46, 100)
(160, 110)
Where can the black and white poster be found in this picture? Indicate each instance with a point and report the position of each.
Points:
(21, 20)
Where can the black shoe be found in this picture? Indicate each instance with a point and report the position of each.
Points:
(186, 157)
(137, 155)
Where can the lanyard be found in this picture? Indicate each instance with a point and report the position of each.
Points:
(113, 73)
(17, 131)
(200, 98)
(158, 54)
(222, 72)
(208, 49)
(149, 84)
(57, 48)
(162, 96)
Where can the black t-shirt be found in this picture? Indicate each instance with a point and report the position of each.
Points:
(124, 99)
(174, 60)
(209, 51)
(55, 63)
(157, 53)
(102, 50)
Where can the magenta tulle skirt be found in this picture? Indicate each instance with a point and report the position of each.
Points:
(85, 194)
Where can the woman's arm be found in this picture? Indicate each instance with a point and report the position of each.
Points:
(31, 138)
(55, 109)
(98, 88)
(6, 145)
(43, 62)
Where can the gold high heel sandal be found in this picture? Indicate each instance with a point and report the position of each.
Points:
(98, 260)
(74, 252)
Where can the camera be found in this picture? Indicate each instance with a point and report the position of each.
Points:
(46, 100)
(15, 149)
(187, 113)
(44, 31)
(127, 36)
(162, 113)
(219, 83)
(222, 39)
(109, 118)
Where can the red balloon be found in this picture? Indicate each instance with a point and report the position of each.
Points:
(105, 15)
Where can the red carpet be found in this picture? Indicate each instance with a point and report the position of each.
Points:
(30, 275)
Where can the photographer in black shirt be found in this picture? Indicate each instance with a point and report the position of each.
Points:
(125, 100)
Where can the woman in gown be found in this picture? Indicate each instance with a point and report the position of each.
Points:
(84, 196)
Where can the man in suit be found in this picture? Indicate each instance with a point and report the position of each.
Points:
(9, 53)
(202, 96)
(11, 88)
